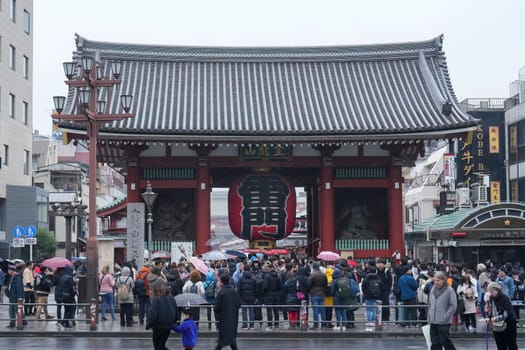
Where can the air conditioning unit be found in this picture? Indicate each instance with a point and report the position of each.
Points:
(463, 197)
(480, 195)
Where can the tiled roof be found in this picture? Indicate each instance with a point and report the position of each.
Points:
(444, 222)
(353, 92)
(113, 204)
(470, 218)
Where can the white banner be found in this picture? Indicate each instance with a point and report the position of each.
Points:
(449, 171)
(181, 250)
(135, 236)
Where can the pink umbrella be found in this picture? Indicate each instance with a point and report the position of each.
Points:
(199, 264)
(328, 256)
(56, 262)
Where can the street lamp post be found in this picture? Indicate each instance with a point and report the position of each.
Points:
(91, 84)
(149, 198)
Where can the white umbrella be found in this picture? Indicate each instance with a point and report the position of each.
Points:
(160, 255)
(214, 255)
(189, 299)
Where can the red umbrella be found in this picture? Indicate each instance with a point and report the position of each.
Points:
(56, 262)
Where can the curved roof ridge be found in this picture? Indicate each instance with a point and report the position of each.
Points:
(431, 46)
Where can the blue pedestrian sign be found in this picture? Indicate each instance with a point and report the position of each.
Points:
(30, 231)
(18, 231)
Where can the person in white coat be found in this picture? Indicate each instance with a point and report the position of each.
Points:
(194, 285)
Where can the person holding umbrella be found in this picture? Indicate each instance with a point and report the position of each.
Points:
(194, 285)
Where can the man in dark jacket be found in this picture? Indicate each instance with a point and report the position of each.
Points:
(247, 288)
(43, 288)
(372, 288)
(271, 296)
(15, 292)
(317, 283)
(67, 287)
(386, 285)
(227, 304)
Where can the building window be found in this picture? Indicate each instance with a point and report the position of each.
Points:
(12, 106)
(12, 10)
(6, 155)
(26, 162)
(27, 22)
(25, 112)
(12, 57)
(25, 67)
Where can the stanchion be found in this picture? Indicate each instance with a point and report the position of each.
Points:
(379, 310)
(20, 315)
(304, 316)
(93, 315)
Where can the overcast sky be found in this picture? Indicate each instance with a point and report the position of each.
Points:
(484, 40)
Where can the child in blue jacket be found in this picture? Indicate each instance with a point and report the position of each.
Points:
(188, 329)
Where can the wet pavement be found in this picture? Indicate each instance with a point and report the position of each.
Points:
(256, 344)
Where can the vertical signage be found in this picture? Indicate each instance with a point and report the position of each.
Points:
(493, 139)
(480, 149)
(495, 193)
(513, 139)
(135, 236)
(449, 170)
(467, 159)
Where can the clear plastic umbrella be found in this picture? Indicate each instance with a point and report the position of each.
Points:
(215, 255)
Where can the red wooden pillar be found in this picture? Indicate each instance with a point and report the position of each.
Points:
(133, 184)
(203, 207)
(326, 206)
(395, 209)
(312, 244)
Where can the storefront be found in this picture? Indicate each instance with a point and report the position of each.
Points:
(472, 235)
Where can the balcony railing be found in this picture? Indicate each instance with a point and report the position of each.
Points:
(362, 244)
(482, 104)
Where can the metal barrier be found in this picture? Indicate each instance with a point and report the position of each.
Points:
(356, 315)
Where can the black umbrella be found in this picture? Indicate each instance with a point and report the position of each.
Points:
(236, 253)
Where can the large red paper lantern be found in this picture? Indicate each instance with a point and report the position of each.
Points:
(262, 206)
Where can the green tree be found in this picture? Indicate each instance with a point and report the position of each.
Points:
(45, 244)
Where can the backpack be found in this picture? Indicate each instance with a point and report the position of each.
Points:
(140, 287)
(374, 288)
(194, 289)
(343, 288)
(44, 283)
(422, 297)
(210, 290)
(122, 291)
(354, 288)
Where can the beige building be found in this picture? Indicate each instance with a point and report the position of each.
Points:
(16, 99)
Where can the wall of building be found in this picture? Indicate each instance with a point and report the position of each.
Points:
(16, 130)
(21, 210)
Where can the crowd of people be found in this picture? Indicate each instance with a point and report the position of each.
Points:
(333, 291)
